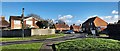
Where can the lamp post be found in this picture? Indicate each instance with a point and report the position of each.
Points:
(22, 22)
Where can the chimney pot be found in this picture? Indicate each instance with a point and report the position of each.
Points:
(2, 18)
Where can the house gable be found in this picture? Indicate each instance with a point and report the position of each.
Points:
(15, 22)
(94, 23)
(99, 22)
(76, 28)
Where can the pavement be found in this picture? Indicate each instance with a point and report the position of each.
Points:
(67, 37)
(47, 42)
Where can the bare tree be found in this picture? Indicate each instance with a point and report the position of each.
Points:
(60, 21)
(50, 23)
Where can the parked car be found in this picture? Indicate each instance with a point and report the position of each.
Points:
(69, 32)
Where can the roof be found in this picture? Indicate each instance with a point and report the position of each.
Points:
(30, 19)
(16, 18)
(97, 21)
(3, 23)
(20, 18)
(76, 27)
(62, 26)
(90, 19)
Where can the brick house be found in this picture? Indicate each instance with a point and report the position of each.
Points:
(29, 22)
(94, 23)
(75, 28)
(3, 22)
(61, 27)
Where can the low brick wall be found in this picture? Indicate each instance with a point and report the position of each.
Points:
(42, 31)
(27, 32)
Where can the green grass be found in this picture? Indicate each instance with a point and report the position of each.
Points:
(103, 35)
(89, 44)
(31, 38)
(22, 47)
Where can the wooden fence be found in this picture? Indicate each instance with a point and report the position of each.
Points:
(16, 33)
(27, 32)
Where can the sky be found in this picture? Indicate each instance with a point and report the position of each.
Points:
(60, 0)
(70, 12)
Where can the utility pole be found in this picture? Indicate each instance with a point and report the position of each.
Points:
(22, 22)
(118, 10)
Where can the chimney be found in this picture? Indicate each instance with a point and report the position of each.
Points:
(2, 18)
(73, 24)
(80, 24)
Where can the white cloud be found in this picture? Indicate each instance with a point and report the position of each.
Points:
(108, 19)
(79, 22)
(65, 17)
(53, 20)
(67, 21)
(116, 16)
(92, 16)
(114, 12)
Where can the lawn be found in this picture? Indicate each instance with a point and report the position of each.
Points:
(22, 47)
(89, 44)
(31, 38)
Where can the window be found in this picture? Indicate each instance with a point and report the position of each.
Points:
(83, 29)
(91, 23)
(17, 22)
(91, 28)
(29, 22)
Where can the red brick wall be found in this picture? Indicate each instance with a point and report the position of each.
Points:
(34, 24)
(12, 24)
(33, 21)
(24, 23)
(20, 25)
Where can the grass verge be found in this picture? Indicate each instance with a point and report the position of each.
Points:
(22, 47)
(30, 38)
(89, 44)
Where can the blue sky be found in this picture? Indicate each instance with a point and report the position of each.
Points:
(60, 0)
(77, 11)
